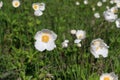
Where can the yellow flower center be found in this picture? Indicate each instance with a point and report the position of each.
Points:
(35, 7)
(97, 48)
(80, 36)
(45, 38)
(106, 78)
(16, 4)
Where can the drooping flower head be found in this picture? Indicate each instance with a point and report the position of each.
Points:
(117, 23)
(45, 40)
(98, 47)
(109, 76)
(16, 3)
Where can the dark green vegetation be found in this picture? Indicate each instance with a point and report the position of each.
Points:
(19, 58)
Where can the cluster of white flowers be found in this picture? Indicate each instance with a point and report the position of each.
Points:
(109, 76)
(38, 8)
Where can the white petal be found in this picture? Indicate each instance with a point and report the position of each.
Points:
(117, 23)
(42, 6)
(38, 13)
(77, 41)
(38, 35)
(40, 46)
(50, 46)
(103, 52)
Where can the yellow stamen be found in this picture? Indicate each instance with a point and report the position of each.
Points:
(16, 4)
(35, 7)
(80, 36)
(45, 38)
(106, 78)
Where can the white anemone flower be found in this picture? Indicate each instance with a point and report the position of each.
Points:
(1, 4)
(114, 9)
(98, 47)
(16, 3)
(116, 1)
(93, 8)
(38, 6)
(77, 3)
(109, 76)
(79, 45)
(80, 34)
(110, 16)
(99, 3)
(118, 5)
(97, 15)
(45, 40)
(73, 31)
(85, 2)
(117, 23)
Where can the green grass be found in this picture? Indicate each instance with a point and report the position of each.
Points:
(20, 59)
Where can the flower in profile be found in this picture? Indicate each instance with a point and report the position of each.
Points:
(99, 3)
(80, 34)
(109, 76)
(117, 23)
(38, 8)
(110, 16)
(97, 15)
(98, 47)
(45, 40)
(1, 4)
(16, 3)
(65, 43)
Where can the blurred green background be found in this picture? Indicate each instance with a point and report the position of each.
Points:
(19, 60)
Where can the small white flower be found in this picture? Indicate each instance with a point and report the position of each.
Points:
(77, 3)
(65, 44)
(38, 6)
(85, 2)
(104, 0)
(38, 13)
(109, 76)
(117, 23)
(80, 34)
(45, 40)
(77, 41)
(79, 44)
(93, 8)
(111, 2)
(116, 1)
(110, 16)
(118, 5)
(114, 9)
(73, 31)
(1, 4)
(16, 3)
(107, 7)
(98, 47)
(97, 15)
(99, 4)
